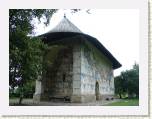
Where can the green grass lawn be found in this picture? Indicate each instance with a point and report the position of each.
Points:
(125, 102)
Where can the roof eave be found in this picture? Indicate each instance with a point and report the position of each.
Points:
(95, 42)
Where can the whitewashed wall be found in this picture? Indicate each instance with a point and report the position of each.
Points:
(95, 67)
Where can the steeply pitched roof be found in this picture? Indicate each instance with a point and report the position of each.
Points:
(65, 26)
(67, 29)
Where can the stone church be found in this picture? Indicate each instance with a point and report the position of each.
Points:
(78, 67)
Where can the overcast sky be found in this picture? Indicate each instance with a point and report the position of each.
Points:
(116, 29)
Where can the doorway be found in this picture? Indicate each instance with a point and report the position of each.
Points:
(97, 90)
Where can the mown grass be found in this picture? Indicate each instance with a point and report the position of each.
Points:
(125, 102)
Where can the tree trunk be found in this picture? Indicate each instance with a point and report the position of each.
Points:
(20, 99)
(120, 95)
(21, 92)
(21, 96)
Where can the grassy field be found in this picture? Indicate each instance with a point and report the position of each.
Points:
(125, 102)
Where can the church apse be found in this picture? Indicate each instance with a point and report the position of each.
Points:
(79, 70)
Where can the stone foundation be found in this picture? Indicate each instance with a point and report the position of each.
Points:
(40, 97)
(37, 97)
(83, 98)
(106, 97)
(88, 98)
(76, 98)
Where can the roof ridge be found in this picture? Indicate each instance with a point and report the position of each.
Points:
(65, 25)
(72, 23)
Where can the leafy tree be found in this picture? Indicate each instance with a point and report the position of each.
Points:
(128, 82)
(133, 81)
(118, 86)
(26, 52)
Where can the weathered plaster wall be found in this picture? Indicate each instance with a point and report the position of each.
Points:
(95, 67)
(76, 96)
(63, 76)
(74, 72)
(59, 76)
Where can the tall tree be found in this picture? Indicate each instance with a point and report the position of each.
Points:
(128, 82)
(118, 86)
(26, 52)
(133, 81)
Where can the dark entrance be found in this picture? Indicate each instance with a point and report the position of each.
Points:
(97, 91)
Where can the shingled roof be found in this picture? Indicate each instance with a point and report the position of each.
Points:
(66, 29)
(65, 26)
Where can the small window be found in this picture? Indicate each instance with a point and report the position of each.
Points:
(64, 77)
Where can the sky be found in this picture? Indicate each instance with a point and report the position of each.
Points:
(116, 29)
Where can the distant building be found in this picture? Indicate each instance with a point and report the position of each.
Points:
(79, 67)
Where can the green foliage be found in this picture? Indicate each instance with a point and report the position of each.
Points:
(125, 102)
(119, 89)
(128, 82)
(25, 57)
(22, 18)
(27, 89)
(25, 52)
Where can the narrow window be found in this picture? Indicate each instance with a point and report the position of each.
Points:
(64, 77)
